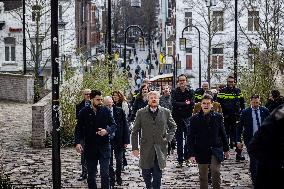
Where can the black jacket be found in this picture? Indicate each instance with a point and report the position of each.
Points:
(86, 128)
(122, 130)
(231, 100)
(80, 106)
(138, 104)
(267, 146)
(204, 135)
(272, 104)
(180, 108)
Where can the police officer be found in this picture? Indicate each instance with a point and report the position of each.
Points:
(232, 102)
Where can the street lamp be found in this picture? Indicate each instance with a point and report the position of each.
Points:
(236, 43)
(125, 33)
(174, 69)
(183, 46)
(24, 39)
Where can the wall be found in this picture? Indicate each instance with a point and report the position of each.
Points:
(16, 87)
(41, 121)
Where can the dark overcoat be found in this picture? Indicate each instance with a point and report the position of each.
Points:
(86, 130)
(204, 135)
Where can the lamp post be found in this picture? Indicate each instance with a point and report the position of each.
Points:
(24, 39)
(182, 39)
(109, 44)
(236, 43)
(56, 162)
(125, 33)
(174, 70)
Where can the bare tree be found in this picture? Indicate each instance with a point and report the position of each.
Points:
(38, 27)
(211, 23)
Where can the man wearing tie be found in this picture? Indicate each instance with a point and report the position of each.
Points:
(250, 121)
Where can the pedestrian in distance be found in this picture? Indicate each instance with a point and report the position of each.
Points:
(250, 122)
(119, 141)
(85, 102)
(232, 103)
(182, 99)
(157, 128)
(141, 100)
(207, 143)
(267, 147)
(95, 125)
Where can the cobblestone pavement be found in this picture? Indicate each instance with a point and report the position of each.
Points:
(26, 165)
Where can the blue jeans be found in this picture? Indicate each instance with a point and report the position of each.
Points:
(104, 170)
(155, 173)
(253, 169)
(181, 134)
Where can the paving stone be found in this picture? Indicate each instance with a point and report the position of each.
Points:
(26, 165)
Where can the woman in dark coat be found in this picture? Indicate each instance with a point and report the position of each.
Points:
(141, 100)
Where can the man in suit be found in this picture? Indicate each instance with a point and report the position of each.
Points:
(157, 129)
(85, 102)
(119, 141)
(250, 121)
(95, 125)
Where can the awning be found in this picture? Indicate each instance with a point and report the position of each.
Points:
(159, 77)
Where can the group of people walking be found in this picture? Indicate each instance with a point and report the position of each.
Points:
(203, 125)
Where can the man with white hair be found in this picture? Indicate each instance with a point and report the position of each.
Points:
(157, 129)
(119, 141)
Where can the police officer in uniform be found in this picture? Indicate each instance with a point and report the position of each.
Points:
(232, 102)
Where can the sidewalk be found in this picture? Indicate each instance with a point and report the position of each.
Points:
(26, 165)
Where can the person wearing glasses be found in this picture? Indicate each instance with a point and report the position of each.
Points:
(250, 121)
(182, 99)
(232, 103)
(85, 102)
(95, 126)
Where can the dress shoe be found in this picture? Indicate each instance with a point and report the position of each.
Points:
(119, 181)
(239, 158)
(82, 177)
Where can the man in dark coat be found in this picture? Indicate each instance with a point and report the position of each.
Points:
(206, 142)
(85, 102)
(95, 125)
(250, 121)
(119, 141)
(267, 147)
(182, 103)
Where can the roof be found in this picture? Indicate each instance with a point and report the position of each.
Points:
(161, 76)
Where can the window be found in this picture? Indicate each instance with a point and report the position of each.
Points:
(188, 20)
(10, 49)
(217, 58)
(253, 51)
(170, 47)
(60, 12)
(253, 21)
(36, 13)
(218, 21)
(36, 54)
(188, 65)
